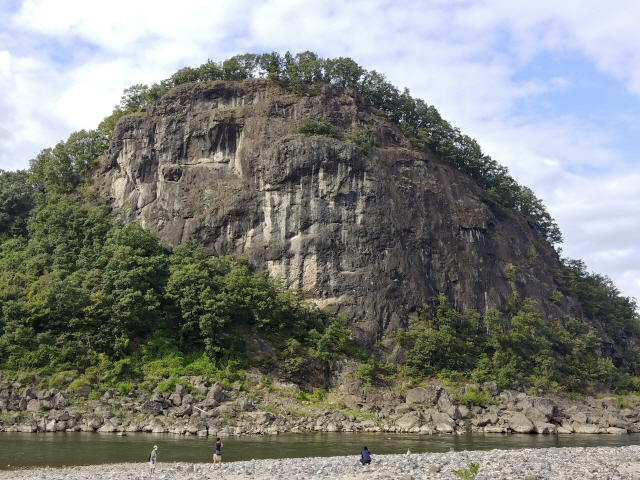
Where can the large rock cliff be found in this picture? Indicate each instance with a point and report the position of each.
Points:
(375, 234)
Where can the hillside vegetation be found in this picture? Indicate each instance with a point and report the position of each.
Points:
(82, 293)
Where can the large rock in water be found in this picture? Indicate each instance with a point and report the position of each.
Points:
(374, 234)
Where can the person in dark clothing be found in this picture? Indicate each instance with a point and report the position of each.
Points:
(217, 454)
(365, 456)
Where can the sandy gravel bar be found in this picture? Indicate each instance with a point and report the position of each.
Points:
(602, 463)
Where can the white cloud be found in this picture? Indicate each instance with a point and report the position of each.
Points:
(64, 64)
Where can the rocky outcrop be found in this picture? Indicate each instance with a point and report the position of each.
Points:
(374, 234)
(432, 409)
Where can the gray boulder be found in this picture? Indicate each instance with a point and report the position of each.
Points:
(151, 407)
(216, 393)
(403, 408)
(520, 423)
(244, 405)
(408, 421)
(586, 428)
(546, 406)
(443, 422)
(108, 395)
(59, 401)
(226, 411)
(492, 387)
(424, 395)
(176, 399)
(535, 415)
(85, 390)
(546, 428)
(29, 393)
(33, 405)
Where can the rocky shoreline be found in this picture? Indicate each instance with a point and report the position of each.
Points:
(213, 411)
(600, 463)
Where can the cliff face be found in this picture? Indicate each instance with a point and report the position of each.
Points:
(375, 235)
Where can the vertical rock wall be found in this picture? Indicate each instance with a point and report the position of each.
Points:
(375, 235)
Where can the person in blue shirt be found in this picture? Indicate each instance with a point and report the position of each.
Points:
(365, 456)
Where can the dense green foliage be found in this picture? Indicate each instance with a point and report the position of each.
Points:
(515, 344)
(81, 292)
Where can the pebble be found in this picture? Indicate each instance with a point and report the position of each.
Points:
(603, 463)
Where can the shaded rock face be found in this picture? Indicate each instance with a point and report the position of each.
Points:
(375, 235)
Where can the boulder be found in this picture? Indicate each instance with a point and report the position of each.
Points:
(579, 417)
(566, 425)
(424, 395)
(463, 411)
(181, 390)
(43, 395)
(50, 426)
(546, 406)
(151, 407)
(188, 399)
(29, 393)
(444, 402)
(544, 428)
(408, 421)
(617, 431)
(85, 390)
(184, 411)
(59, 401)
(175, 399)
(22, 405)
(226, 411)
(520, 423)
(215, 393)
(108, 427)
(535, 415)
(403, 408)
(494, 429)
(201, 389)
(443, 422)
(108, 395)
(33, 405)
(244, 405)
(492, 387)
(611, 419)
(28, 428)
(586, 428)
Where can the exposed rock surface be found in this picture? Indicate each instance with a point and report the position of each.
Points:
(219, 412)
(376, 235)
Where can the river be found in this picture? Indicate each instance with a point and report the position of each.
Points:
(58, 449)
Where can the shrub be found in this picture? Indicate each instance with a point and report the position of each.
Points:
(468, 473)
(316, 128)
(124, 388)
(170, 383)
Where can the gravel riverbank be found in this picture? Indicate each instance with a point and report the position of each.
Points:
(600, 463)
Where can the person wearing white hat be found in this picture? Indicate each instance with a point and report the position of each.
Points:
(153, 458)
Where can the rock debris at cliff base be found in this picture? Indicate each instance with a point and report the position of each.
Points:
(600, 463)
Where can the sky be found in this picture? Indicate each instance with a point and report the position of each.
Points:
(549, 89)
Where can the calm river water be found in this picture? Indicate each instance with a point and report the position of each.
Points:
(58, 449)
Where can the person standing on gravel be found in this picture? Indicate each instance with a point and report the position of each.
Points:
(153, 458)
(217, 453)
